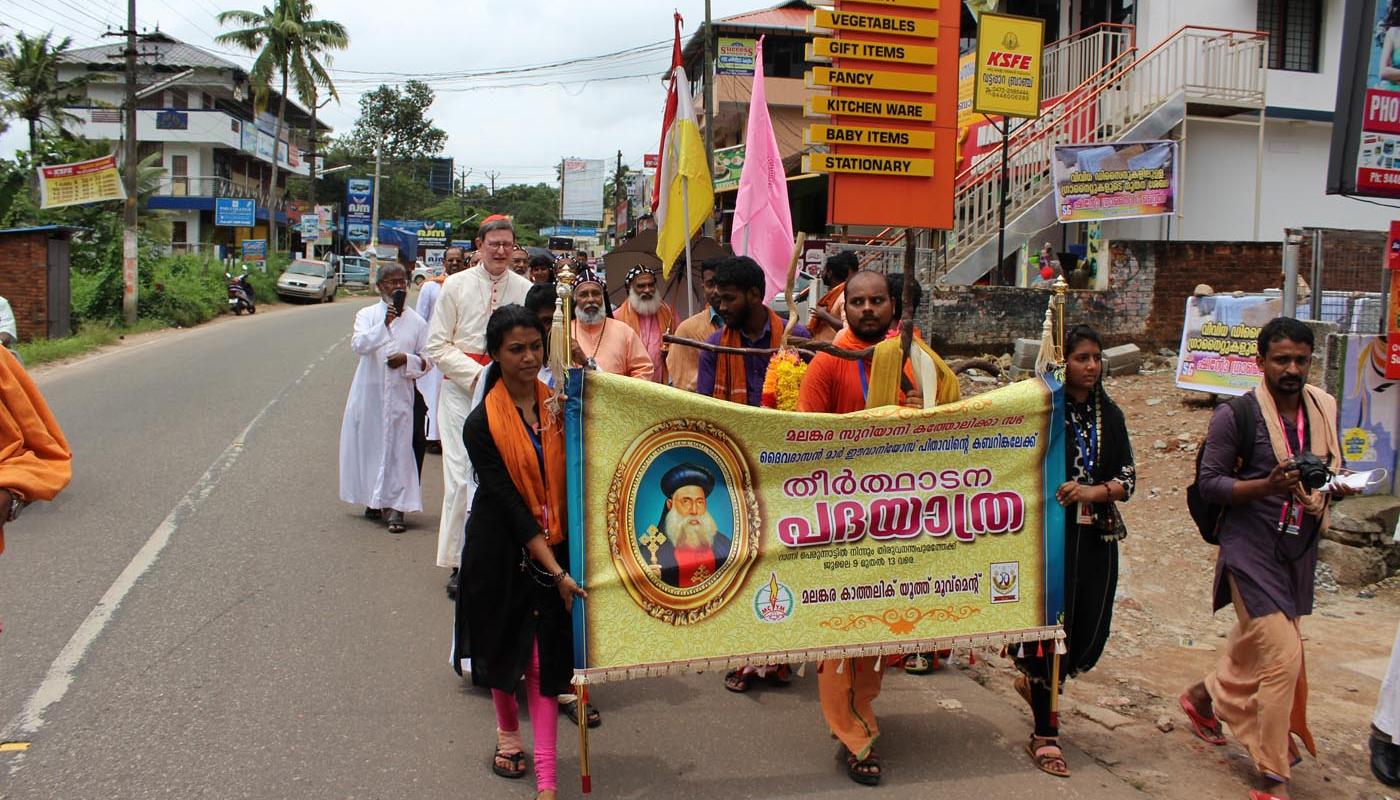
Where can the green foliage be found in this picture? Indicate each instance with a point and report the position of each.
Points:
(29, 85)
(396, 117)
(88, 338)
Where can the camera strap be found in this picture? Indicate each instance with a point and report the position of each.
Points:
(1290, 521)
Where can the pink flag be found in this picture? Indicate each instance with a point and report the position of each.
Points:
(762, 219)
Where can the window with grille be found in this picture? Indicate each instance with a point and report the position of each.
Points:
(1294, 28)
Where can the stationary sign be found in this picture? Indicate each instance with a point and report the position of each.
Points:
(235, 212)
(735, 57)
(1009, 56)
(651, 161)
(92, 181)
(582, 189)
(1115, 180)
(1365, 155)
(248, 138)
(310, 227)
(327, 215)
(729, 164)
(171, 120)
(711, 534)
(434, 258)
(1219, 341)
(359, 202)
(891, 115)
(254, 249)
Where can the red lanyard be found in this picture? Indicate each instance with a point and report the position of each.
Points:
(1289, 509)
(1287, 442)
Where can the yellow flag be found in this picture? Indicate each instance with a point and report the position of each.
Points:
(687, 194)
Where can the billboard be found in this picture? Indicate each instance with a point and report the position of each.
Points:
(81, 182)
(1365, 157)
(735, 57)
(583, 189)
(359, 204)
(1119, 180)
(235, 212)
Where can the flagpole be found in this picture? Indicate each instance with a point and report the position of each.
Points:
(685, 209)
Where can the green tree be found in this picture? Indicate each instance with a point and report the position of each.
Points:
(30, 87)
(396, 117)
(287, 42)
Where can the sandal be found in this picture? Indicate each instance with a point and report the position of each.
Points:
(865, 771)
(1207, 728)
(570, 709)
(395, 521)
(508, 765)
(739, 680)
(917, 664)
(373, 513)
(1048, 757)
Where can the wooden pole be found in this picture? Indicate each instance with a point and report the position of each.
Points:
(585, 775)
(791, 279)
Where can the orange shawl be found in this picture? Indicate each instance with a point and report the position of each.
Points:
(544, 494)
(837, 292)
(35, 461)
(731, 378)
(665, 317)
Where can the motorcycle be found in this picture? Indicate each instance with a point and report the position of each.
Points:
(240, 294)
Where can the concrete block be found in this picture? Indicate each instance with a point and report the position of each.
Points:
(1353, 566)
(1024, 352)
(1125, 359)
(1108, 718)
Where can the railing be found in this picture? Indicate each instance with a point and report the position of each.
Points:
(1206, 65)
(1070, 62)
(209, 186)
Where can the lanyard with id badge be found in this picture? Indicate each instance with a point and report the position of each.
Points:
(1290, 522)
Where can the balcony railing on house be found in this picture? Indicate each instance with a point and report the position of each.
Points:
(209, 186)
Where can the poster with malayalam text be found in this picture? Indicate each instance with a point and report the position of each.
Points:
(1115, 180)
(709, 533)
(1219, 341)
(92, 181)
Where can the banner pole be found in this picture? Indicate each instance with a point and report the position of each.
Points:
(585, 774)
(1054, 687)
(689, 281)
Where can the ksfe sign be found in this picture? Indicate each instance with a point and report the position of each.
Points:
(1365, 157)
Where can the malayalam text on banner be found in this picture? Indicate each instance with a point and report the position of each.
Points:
(1010, 51)
(1219, 341)
(708, 533)
(92, 181)
(1118, 180)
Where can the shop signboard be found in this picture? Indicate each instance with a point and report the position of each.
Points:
(1365, 155)
(235, 212)
(81, 182)
(1116, 180)
(735, 57)
(359, 202)
(729, 166)
(1010, 51)
(1392, 317)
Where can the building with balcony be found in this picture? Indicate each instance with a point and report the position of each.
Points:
(201, 122)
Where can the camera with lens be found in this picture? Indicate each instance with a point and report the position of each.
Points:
(1312, 471)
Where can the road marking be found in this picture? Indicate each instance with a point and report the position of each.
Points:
(59, 677)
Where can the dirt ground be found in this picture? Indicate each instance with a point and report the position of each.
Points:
(1165, 638)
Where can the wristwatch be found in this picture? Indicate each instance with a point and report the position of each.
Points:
(16, 506)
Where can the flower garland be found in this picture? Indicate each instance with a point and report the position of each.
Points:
(784, 377)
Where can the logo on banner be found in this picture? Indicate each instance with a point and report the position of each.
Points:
(773, 602)
(683, 522)
(1006, 581)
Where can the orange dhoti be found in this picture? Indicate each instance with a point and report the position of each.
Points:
(1260, 688)
(848, 698)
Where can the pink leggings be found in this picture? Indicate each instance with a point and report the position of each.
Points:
(544, 718)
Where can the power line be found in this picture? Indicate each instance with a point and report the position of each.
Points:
(86, 30)
(28, 26)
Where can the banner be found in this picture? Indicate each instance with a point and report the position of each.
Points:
(92, 181)
(711, 534)
(235, 212)
(359, 202)
(583, 189)
(1119, 180)
(729, 167)
(1220, 340)
(1009, 55)
(327, 215)
(1378, 157)
(735, 57)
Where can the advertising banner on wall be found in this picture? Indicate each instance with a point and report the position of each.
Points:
(729, 166)
(583, 189)
(91, 181)
(359, 204)
(1219, 341)
(1117, 180)
(1368, 418)
(1365, 154)
(235, 212)
(248, 139)
(735, 57)
(815, 535)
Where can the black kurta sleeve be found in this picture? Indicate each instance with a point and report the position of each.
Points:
(494, 484)
(1117, 438)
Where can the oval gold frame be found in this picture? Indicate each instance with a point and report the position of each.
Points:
(659, 600)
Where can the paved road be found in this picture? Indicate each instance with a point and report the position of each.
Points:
(198, 616)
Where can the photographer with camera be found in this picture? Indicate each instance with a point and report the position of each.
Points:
(1268, 551)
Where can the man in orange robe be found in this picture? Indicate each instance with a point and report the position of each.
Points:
(683, 363)
(651, 317)
(829, 313)
(601, 342)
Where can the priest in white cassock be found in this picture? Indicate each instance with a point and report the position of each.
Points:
(457, 344)
(377, 468)
(454, 260)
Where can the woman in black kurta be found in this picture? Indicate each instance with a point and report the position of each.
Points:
(512, 616)
(1100, 471)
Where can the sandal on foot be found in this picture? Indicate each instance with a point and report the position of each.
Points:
(917, 664)
(739, 680)
(570, 709)
(865, 771)
(395, 521)
(373, 513)
(508, 765)
(1207, 728)
(1048, 757)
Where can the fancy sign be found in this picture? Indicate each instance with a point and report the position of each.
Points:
(711, 534)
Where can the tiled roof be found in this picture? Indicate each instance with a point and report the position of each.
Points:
(172, 53)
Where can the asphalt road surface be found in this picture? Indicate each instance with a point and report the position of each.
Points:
(199, 616)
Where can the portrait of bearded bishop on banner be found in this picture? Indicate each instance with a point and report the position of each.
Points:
(686, 546)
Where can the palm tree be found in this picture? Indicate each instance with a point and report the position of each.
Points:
(287, 42)
(29, 85)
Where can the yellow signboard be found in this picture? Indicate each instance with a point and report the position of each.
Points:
(931, 5)
(824, 48)
(874, 23)
(872, 79)
(92, 181)
(827, 106)
(869, 137)
(868, 165)
(1009, 58)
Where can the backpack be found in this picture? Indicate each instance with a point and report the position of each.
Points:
(1206, 515)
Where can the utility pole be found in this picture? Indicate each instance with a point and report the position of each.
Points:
(374, 215)
(619, 194)
(707, 73)
(129, 243)
(492, 176)
(465, 172)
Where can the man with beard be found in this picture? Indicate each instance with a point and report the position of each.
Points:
(541, 269)
(457, 344)
(651, 317)
(748, 323)
(836, 385)
(520, 262)
(603, 343)
(694, 548)
(453, 261)
(829, 313)
(683, 363)
(1268, 539)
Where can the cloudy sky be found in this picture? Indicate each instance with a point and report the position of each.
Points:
(519, 123)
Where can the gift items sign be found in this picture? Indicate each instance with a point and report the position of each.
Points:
(710, 533)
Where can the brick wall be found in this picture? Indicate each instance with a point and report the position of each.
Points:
(1351, 260)
(24, 281)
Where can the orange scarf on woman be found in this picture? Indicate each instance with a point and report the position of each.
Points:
(544, 494)
(731, 378)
